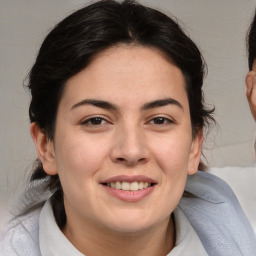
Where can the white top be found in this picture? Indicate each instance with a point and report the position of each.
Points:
(53, 242)
(187, 241)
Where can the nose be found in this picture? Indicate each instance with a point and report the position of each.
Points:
(130, 147)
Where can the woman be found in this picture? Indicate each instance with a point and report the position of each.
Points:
(117, 117)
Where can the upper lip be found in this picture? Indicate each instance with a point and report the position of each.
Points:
(130, 179)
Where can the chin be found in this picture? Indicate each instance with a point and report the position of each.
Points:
(130, 228)
(133, 223)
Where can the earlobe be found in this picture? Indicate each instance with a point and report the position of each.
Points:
(195, 153)
(45, 149)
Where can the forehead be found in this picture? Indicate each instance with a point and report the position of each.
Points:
(123, 73)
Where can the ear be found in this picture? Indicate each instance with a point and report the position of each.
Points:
(45, 149)
(249, 83)
(195, 153)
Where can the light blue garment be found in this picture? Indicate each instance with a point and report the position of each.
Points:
(21, 237)
(216, 216)
(211, 208)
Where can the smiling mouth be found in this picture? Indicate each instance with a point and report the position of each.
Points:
(129, 186)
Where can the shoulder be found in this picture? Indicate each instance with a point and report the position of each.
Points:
(216, 215)
(206, 193)
(210, 187)
(21, 235)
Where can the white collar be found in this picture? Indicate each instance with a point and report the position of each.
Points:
(187, 241)
(52, 241)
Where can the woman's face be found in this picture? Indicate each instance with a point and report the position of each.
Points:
(123, 142)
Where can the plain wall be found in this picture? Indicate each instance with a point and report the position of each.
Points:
(218, 27)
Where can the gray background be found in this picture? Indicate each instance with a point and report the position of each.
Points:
(218, 27)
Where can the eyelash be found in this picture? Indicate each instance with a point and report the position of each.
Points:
(161, 118)
(89, 121)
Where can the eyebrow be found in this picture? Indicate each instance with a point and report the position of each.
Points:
(98, 103)
(109, 106)
(161, 103)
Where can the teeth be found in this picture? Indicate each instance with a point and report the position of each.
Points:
(125, 186)
(118, 185)
(133, 186)
(145, 184)
(141, 185)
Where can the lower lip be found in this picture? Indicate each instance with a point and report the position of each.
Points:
(130, 196)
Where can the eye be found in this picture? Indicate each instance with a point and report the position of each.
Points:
(94, 121)
(160, 121)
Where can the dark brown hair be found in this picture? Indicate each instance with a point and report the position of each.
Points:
(251, 42)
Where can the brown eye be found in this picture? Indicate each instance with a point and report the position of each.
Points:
(95, 121)
(160, 120)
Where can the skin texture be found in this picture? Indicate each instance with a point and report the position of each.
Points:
(130, 137)
(250, 81)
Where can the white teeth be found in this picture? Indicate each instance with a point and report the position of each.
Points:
(145, 184)
(141, 185)
(118, 185)
(133, 186)
(125, 186)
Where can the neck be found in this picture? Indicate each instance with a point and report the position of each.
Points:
(91, 241)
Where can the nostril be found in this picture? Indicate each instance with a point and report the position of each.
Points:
(120, 159)
(130, 161)
(142, 159)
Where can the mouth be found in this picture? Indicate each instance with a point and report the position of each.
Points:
(124, 183)
(129, 186)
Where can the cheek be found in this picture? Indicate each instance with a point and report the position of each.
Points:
(79, 156)
(172, 156)
(78, 163)
(172, 153)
